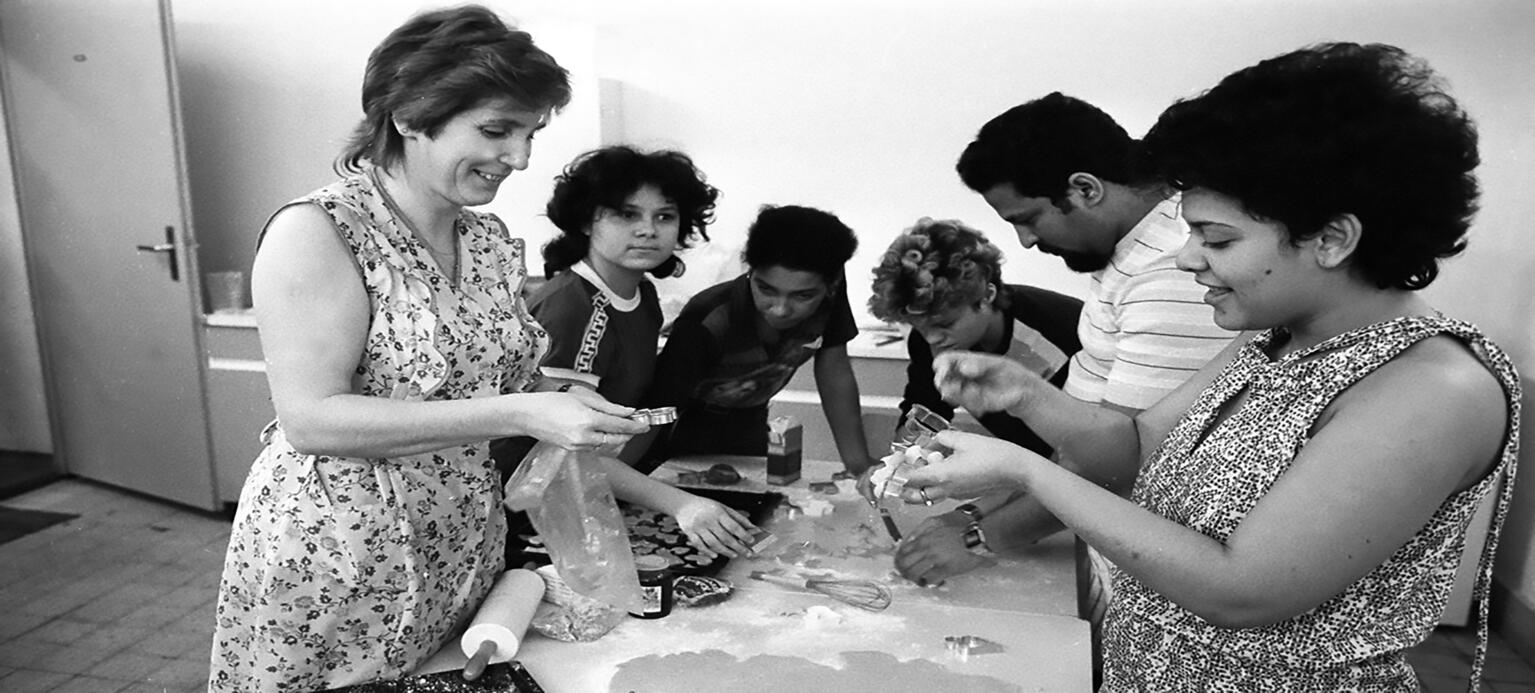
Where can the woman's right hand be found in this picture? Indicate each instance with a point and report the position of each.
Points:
(976, 466)
(983, 383)
(577, 420)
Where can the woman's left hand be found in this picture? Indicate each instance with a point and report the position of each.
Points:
(977, 465)
(714, 526)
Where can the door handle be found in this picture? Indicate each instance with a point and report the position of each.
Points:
(168, 247)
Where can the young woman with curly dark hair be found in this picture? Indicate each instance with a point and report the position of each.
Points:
(623, 213)
(1300, 505)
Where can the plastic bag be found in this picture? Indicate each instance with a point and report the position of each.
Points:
(567, 496)
(572, 617)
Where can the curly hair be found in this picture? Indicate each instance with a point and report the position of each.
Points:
(604, 179)
(934, 266)
(1334, 129)
(800, 238)
(1037, 145)
(439, 64)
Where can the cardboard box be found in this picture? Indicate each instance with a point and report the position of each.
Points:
(786, 438)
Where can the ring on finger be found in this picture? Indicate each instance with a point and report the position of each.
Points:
(925, 500)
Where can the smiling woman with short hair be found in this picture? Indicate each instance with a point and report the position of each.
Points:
(1300, 505)
(397, 347)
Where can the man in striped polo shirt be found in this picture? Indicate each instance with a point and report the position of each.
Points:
(1063, 174)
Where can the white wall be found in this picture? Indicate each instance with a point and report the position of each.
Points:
(270, 93)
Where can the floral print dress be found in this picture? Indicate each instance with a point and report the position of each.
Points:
(345, 570)
(1209, 478)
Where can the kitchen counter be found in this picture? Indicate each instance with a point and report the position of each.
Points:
(232, 318)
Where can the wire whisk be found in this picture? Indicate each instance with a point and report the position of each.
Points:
(864, 594)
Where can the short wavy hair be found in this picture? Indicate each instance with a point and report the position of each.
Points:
(933, 266)
(799, 238)
(604, 179)
(1334, 129)
(1036, 146)
(439, 64)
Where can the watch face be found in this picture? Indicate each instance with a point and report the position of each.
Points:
(975, 540)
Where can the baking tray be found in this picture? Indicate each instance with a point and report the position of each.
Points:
(653, 532)
(505, 677)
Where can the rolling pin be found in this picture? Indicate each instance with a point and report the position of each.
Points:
(496, 631)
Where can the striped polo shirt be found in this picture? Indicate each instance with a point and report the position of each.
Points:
(1145, 327)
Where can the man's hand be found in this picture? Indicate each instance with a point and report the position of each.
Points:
(936, 551)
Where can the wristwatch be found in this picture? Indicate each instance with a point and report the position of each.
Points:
(975, 541)
(972, 514)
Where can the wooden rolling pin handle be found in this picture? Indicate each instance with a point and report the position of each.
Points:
(476, 665)
(784, 580)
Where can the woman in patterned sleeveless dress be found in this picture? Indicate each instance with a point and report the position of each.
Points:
(1300, 506)
(397, 346)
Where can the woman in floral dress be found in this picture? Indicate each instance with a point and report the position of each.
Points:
(397, 346)
(1300, 506)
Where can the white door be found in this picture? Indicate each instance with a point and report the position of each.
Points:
(95, 131)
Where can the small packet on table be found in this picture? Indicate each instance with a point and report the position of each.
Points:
(785, 442)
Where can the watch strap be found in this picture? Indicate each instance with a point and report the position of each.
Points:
(975, 540)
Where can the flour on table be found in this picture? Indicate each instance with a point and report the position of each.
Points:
(860, 672)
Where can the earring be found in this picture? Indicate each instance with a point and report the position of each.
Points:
(680, 269)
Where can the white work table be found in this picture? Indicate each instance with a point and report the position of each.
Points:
(768, 637)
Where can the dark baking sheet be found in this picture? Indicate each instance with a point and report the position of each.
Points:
(506, 677)
(649, 532)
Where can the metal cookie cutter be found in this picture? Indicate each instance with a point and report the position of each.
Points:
(963, 646)
(656, 416)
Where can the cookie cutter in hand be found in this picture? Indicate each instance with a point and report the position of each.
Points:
(655, 417)
(890, 479)
(912, 447)
(919, 428)
(963, 646)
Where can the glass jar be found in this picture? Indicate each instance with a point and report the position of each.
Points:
(655, 586)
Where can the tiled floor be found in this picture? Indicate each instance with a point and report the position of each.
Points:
(121, 599)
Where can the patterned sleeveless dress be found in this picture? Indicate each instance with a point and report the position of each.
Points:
(1354, 641)
(345, 570)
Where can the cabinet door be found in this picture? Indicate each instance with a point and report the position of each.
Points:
(95, 131)
(239, 401)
